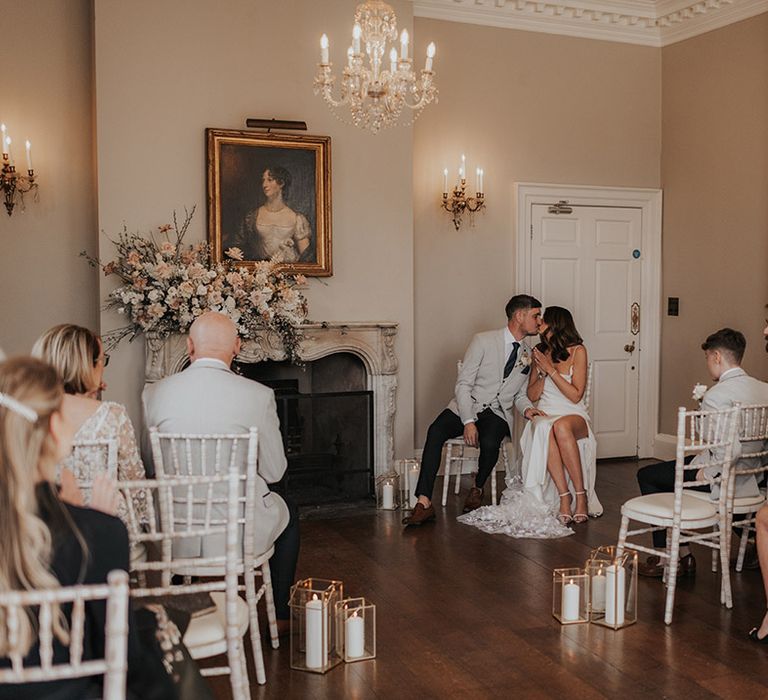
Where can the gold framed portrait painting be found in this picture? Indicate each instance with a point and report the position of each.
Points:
(269, 195)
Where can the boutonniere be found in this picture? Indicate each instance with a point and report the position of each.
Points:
(698, 392)
(524, 361)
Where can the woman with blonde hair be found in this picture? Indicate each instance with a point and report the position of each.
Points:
(77, 354)
(48, 543)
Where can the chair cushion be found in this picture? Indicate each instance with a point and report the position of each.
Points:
(661, 505)
(748, 502)
(209, 629)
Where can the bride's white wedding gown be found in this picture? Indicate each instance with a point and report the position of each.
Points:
(529, 509)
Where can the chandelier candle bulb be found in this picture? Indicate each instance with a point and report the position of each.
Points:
(356, 33)
(404, 45)
(29, 155)
(2, 132)
(8, 150)
(393, 61)
(445, 181)
(430, 56)
(482, 173)
(324, 49)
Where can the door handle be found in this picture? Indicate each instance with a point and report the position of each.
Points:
(630, 348)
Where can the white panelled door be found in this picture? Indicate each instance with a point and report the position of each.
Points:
(587, 259)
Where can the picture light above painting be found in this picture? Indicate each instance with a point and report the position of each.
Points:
(269, 195)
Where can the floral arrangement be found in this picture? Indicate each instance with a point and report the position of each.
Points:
(166, 285)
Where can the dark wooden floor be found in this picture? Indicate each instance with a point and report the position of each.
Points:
(465, 614)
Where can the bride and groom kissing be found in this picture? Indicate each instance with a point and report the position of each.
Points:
(501, 373)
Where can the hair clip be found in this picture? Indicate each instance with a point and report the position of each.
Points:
(19, 408)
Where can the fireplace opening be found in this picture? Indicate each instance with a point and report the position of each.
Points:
(326, 421)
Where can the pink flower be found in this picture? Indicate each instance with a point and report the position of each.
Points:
(235, 279)
(134, 259)
(167, 248)
(139, 282)
(164, 228)
(215, 298)
(186, 289)
(196, 272)
(163, 271)
(110, 268)
(300, 279)
(234, 253)
(155, 310)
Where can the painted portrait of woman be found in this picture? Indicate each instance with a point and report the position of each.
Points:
(269, 197)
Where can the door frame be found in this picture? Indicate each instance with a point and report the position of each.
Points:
(650, 202)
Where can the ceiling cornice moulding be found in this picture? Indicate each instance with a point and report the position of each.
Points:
(645, 22)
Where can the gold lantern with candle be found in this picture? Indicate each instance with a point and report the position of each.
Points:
(613, 587)
(408, 471)
(356, 625)
(314, 637)
(570, 596)
(388, 491)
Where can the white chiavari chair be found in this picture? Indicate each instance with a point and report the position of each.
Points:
(115, 662)
(179, 453)
(193, 507)
(685, 518)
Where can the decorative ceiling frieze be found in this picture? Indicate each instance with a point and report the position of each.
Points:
(645, 22)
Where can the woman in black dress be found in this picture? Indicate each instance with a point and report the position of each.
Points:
(47, 543)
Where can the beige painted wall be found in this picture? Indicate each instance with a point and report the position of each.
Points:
(528, 108)
(47, 98)
(715, 179)
(166, 70)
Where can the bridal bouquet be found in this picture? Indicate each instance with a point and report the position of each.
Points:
(166, 285)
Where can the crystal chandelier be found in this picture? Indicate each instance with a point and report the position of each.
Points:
(374, 94)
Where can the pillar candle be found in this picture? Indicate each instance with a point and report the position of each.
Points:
(316, 651)
(354, 633)
(598, 591)
(570, 602)
(413, 480)
(614, 595)
(388, 496)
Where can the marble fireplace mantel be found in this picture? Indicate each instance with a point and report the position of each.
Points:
(372, 341)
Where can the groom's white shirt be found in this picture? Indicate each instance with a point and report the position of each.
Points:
(735, 386)
(481, 383)
(207, 397)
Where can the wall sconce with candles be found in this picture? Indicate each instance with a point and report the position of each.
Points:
(458, 202)
(12, 184)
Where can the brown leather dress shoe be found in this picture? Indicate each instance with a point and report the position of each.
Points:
(474, 499)
(420, 515)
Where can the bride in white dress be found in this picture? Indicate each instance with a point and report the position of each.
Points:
(559, 448)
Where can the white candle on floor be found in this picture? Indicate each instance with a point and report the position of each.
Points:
(316, 652)
(570, 602)
(598, 591)
(355, 636)
(413, 480)
(614, 595)
(388, 497)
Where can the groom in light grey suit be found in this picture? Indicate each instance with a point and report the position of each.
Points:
(207, 397)
(493, 380)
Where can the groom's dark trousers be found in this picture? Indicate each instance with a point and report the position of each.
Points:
(492, 429)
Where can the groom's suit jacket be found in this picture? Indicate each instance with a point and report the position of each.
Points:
(481, 379)
(736, 387)
(208, 397)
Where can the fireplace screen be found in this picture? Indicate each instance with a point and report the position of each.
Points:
(327, 434)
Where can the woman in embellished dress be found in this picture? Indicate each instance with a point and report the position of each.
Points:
(274, 231)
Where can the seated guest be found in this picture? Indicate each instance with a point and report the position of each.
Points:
(493, 379)
(77, 354)
(48, 543)
(723, 352)
(207, 397)
(760, 634)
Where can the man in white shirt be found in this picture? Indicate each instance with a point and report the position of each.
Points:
(207, 397)
(723, 352)
(492, 381)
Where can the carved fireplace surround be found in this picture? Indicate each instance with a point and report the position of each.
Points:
(372, 341)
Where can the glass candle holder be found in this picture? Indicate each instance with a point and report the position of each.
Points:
(613, 587)
(570, 596)
(388, 491)
(314, 636)
(408, 471)
(356, 625)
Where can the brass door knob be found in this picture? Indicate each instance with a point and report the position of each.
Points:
(630, 348)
